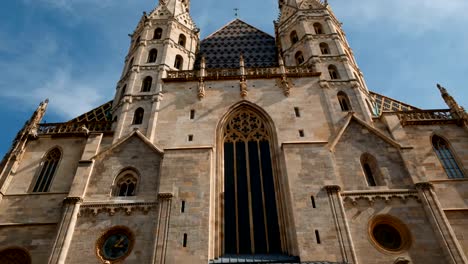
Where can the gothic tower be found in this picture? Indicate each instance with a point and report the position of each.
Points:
(165, 39)
(308, 33)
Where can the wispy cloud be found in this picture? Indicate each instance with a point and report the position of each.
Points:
(41, 69)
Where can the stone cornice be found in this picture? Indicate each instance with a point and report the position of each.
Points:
(385, 195)
(94, 209)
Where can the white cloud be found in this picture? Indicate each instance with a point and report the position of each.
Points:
(40, 69)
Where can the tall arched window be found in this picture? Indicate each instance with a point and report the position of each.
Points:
(14, 255)
(344, 101)
(293, 36)
(324, 48)
(446, 157)
(318, 28)
(152, 56)
(182, 40)
(138, 116)
(371, 169)
(179, 62)
(125, 184)
(157, 33)
(47, 172)
(299, 58)
(251, 222)
(130, 64)
(146, 84)
(333, 71)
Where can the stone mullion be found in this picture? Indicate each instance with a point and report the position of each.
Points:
(162, 228)
(343, 233)
(448, 241)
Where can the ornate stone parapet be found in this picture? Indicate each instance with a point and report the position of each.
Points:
(94, 209)
(385, 195)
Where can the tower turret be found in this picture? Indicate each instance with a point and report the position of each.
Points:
(165, 39)
(308, 33)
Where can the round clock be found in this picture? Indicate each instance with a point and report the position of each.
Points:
(115, 245)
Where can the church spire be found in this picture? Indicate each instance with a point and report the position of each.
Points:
(176, 7)
(304, 4)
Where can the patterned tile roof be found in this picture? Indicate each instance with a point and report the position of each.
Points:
(100, 113)
(223, 48)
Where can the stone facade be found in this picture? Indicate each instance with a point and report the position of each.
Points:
(357, 177)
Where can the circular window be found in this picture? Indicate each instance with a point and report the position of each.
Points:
(389, 234)
(115, 245)
(14, 256)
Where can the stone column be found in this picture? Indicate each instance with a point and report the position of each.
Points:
(444, 232)
(67, 227)
(162, 228)
(71, 205)
(341, 224)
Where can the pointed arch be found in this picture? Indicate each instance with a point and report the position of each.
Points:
(157, 33)
(371, 169)
(318, 28)
(447, 158)
(152, 56)
(293, 37)
(333, 71)
(47, 171)
(126, 183)
(182, 40)
(299, 57)
(179, 62)
(250, 181)
(324, 48)
(146, 84)
(344, 101)
(138, 116)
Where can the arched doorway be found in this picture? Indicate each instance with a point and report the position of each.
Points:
(250, 214)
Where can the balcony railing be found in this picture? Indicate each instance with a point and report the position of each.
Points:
(75, 128)
(235, 73)
(428, 117)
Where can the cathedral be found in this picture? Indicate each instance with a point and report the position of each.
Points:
(239, 148)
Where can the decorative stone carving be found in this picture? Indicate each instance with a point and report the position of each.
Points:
(243, 87)
(387, 196)
(111, 208)
(201, 89)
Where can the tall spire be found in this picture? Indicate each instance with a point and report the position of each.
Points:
(176, 7)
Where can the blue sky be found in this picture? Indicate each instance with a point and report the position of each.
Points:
(72, 51)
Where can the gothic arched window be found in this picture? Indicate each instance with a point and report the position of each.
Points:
(125, 184)
(14, 255)
(294, 38)
(371, 169)
(157, 33)
(130, 64)
(446, 157)
(138, 116)
(146, 84)
(179, 62)
(324, 48)
(299, 58)
(47, 172)
(251, 224)
(333, 71)
(123, 91)
(344, 101)
(318, 28)
(182, 40)
(152, 56)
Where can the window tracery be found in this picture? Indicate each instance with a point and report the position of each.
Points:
(47, 172)
(126, 185)
(446, 157)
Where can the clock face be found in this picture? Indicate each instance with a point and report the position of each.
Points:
(116, 246)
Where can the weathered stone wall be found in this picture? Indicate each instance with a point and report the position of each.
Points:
(36, 239)
(459, 222)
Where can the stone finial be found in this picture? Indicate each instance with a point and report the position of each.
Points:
(455, 108)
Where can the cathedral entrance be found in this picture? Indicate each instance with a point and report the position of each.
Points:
(251, 223)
